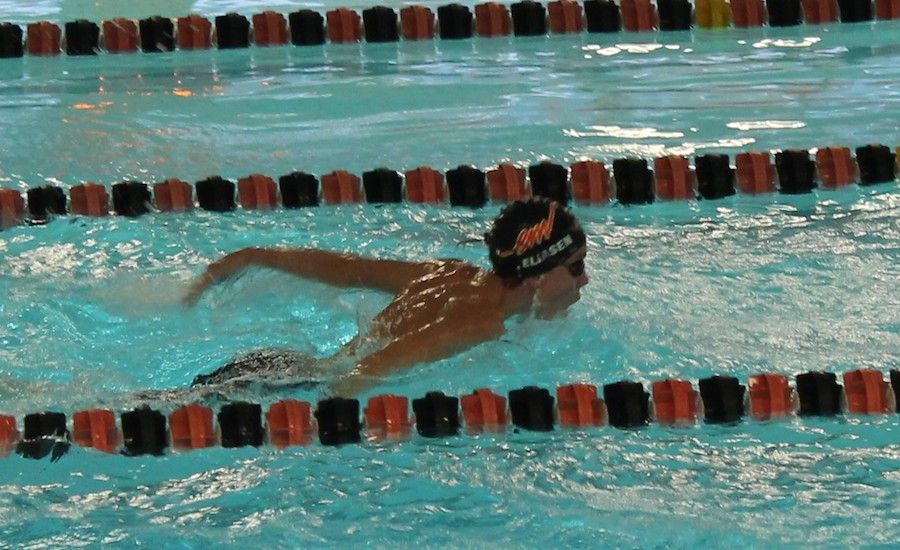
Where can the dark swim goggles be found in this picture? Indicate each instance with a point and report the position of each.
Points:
(576, 269)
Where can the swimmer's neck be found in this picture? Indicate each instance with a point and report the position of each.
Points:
(517, 300)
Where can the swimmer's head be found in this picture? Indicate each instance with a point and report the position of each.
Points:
(531, 237)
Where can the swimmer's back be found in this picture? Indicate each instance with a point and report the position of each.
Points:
(453, 290)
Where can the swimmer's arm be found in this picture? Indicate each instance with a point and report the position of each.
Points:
(346, 270)
(430, 343)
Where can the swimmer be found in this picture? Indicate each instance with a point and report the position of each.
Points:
(441, 307)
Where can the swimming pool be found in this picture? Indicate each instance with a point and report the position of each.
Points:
(736, 286)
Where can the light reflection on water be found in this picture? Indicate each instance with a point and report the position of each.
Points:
(676, 290)
(709, 485)
(90, 308)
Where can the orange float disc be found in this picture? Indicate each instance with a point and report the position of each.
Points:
(96, 428)
(638, 15)
(89, 199)
(12, 207)
(120, 35)
(270, 29)
(257, 192)
(770, 396)
(191, 427)
(341, 186)
(565, 16)
(835, 166)
(675, 401)
(866, 392)
(749, 13)
(590, 182)
(290, 423)
(9, 434)
(173, 195)
(674, 179)
(755, 173)
(343, 25)
(417, 23)
(424, 185)
(492, 19)
(484, 410)
(43, 38)
(820, 11)
(387, 417)
(887, 9)
(507, 183)
(579, 406)
(194, 33)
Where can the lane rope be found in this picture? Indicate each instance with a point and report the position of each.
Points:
(336, 421)
(590, 182)
(376, 24)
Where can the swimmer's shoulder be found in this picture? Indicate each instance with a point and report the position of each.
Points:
(454, 263)
(453, 267)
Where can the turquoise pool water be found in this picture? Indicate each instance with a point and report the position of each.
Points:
(90, 310)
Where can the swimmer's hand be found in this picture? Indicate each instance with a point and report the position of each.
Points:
(225, 268)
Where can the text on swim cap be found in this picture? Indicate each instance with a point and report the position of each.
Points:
(551, 251)
(532, 236)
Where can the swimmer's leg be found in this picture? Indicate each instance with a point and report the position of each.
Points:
(206, 394)
(265, 368)
(219, 394)
(225, 372)
(254, 375)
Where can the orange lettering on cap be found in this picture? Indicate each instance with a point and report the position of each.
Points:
(532, 236)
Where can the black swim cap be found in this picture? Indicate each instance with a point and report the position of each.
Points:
(531, 237)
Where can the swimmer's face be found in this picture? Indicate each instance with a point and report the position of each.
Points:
(560, 287)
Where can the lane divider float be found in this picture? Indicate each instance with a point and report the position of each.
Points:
(631, 181)
(337, 421)
(378, 24)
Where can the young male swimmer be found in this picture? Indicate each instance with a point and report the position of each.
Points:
(441, 307)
